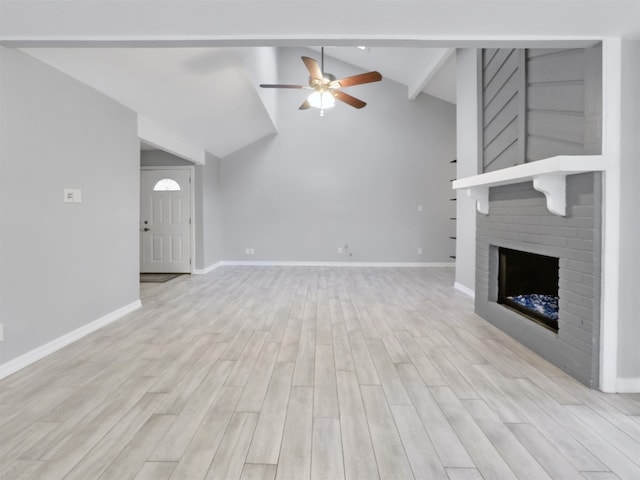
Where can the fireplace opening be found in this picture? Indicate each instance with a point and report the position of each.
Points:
(528, 283)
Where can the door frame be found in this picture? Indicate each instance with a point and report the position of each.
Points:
(192, 202)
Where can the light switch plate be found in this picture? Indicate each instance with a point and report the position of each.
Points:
(68, 195)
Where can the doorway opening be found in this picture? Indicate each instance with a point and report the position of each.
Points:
(166, 226)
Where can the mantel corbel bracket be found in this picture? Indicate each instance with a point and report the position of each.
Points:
(481, 196)
(554, 187)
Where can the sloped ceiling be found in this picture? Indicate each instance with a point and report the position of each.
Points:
(210, 95)
(203, 94)
(406, 65)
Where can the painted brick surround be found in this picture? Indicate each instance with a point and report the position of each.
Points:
(518, 219)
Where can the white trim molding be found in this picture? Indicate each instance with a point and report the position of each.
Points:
(42, 351)
(335, 264)
(611, 221)
(210, 268)
(628, 385)
(464, 289)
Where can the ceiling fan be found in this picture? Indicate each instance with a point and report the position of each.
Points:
(326, 89)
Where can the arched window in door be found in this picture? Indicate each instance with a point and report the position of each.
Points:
(166, 185)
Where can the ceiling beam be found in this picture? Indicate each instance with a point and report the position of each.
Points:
(429, 72)
(280, 20)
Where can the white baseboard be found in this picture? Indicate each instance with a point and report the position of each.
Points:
(36, 354)
(335, 264)
(210, 268)
(628, 385)
(465, 290)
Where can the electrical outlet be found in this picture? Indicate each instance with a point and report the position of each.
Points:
(419, 208)
(419, 251)
(77, 195)
(252, 251)
(247, 251)
(340, 250)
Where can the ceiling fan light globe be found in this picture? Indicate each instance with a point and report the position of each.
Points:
(322, 100)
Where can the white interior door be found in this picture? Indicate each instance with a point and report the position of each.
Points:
(165, 221)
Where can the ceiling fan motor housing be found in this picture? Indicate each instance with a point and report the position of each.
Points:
(326, 84)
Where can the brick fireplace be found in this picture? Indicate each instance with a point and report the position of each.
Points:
(519, 220)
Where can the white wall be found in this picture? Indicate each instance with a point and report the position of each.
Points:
(629, 298)
(351, 177)
(63, 265)
(467, 143)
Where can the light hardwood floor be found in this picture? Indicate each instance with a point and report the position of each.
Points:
(305, 372)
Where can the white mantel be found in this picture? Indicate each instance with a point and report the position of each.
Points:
(548, 176)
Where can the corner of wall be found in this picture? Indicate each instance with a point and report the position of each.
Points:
(467, 63)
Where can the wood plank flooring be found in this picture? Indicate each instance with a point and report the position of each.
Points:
(309, 373)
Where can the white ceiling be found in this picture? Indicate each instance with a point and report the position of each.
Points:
(206, 95)
(405, 65)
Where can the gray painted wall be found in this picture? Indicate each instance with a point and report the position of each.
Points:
(468, 153)
(207, 208)
(538, 103)
(503, 119)
(351, 177)
(211, 221)
(518, 219)
(63, 265)
(564, 102)
(160, 158)
(629, 299)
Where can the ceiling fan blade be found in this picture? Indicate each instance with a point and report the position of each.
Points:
(358, 79)
(305, 105)
(348, 99)
(313, 67)
(278, 85)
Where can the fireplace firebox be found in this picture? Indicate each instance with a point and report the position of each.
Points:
(528, 284)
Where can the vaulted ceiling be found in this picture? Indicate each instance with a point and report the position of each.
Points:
(136, 51)
(209, 95)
